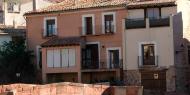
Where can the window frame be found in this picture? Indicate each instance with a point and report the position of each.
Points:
(103, 21)
(45, 26)
(140, 61)
(108, 57)
(146, 12)
(84, 32)
(12, 4)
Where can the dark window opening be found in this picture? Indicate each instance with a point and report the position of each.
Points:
(148, 54)
(50, 27)
(109, 23)
(114, 58)
(90, 57)
(88, 26)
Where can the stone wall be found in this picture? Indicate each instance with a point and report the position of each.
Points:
(69, 89)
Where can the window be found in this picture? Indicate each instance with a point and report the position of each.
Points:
(68, 57)
(50, 27)
(88, 24)
(61, 58)
(13, 7)
(148, 54)
(153, 13)
(108, 23)
(114, 57)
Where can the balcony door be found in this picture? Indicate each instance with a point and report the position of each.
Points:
(113, 58)
(88, 25)
(148, 54)
(91, 56)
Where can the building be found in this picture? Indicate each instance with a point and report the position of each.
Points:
(156, 44)
(144, 42)
(78, 41)
(12, 22)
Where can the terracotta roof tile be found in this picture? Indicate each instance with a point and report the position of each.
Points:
(78, 4)
(67, 5)
(135, 4)
(68, 41)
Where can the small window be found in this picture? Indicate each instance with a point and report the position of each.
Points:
(88, 25)
(13, 7)
(153, 13)
(50, 27)
(109, 23)
(113, 58)
(148, 54)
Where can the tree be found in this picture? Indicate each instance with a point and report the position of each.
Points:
(16, 63)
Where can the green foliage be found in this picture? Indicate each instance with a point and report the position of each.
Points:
(14, 58)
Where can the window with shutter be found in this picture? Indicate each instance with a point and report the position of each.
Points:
(50, 58)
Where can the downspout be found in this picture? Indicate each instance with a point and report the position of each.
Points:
(3, 12)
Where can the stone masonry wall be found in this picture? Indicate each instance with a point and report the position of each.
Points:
(69, 89)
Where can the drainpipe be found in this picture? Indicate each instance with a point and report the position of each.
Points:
(3, 12)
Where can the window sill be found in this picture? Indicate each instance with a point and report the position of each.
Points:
(100, 34)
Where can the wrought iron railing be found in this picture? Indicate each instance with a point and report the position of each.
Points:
(135, 23)
(103, 64)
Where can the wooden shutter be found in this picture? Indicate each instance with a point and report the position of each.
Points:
(50, 58)
(71, 57)
(65, 57)
(57, 60)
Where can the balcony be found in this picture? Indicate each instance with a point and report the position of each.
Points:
(97, 31)
(152, 62)
(96, 65)
(52, 33)
(159, 22)
(147, 23)
(135, 23)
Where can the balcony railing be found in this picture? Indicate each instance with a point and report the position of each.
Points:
(159, 22)
(148, 22)
(96, 31)
(104, 64)
(142, 64)
(53, 33)
(135, 23)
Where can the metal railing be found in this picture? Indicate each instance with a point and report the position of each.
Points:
(141, 63)
(96, 30)
(102, 64)
(135, 23)
(52, 32)
(159, 22)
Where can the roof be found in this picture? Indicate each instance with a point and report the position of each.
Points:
(68, 41)
(151, 3)
(55, 1)
(68, 5)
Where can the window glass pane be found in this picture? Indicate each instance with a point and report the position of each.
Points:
(50, 27)
(57, 60)
(50, 58)
(153, 13)
(65, 57)
(71, 57)
(114, 58)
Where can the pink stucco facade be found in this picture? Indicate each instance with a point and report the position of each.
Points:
(69, 25)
